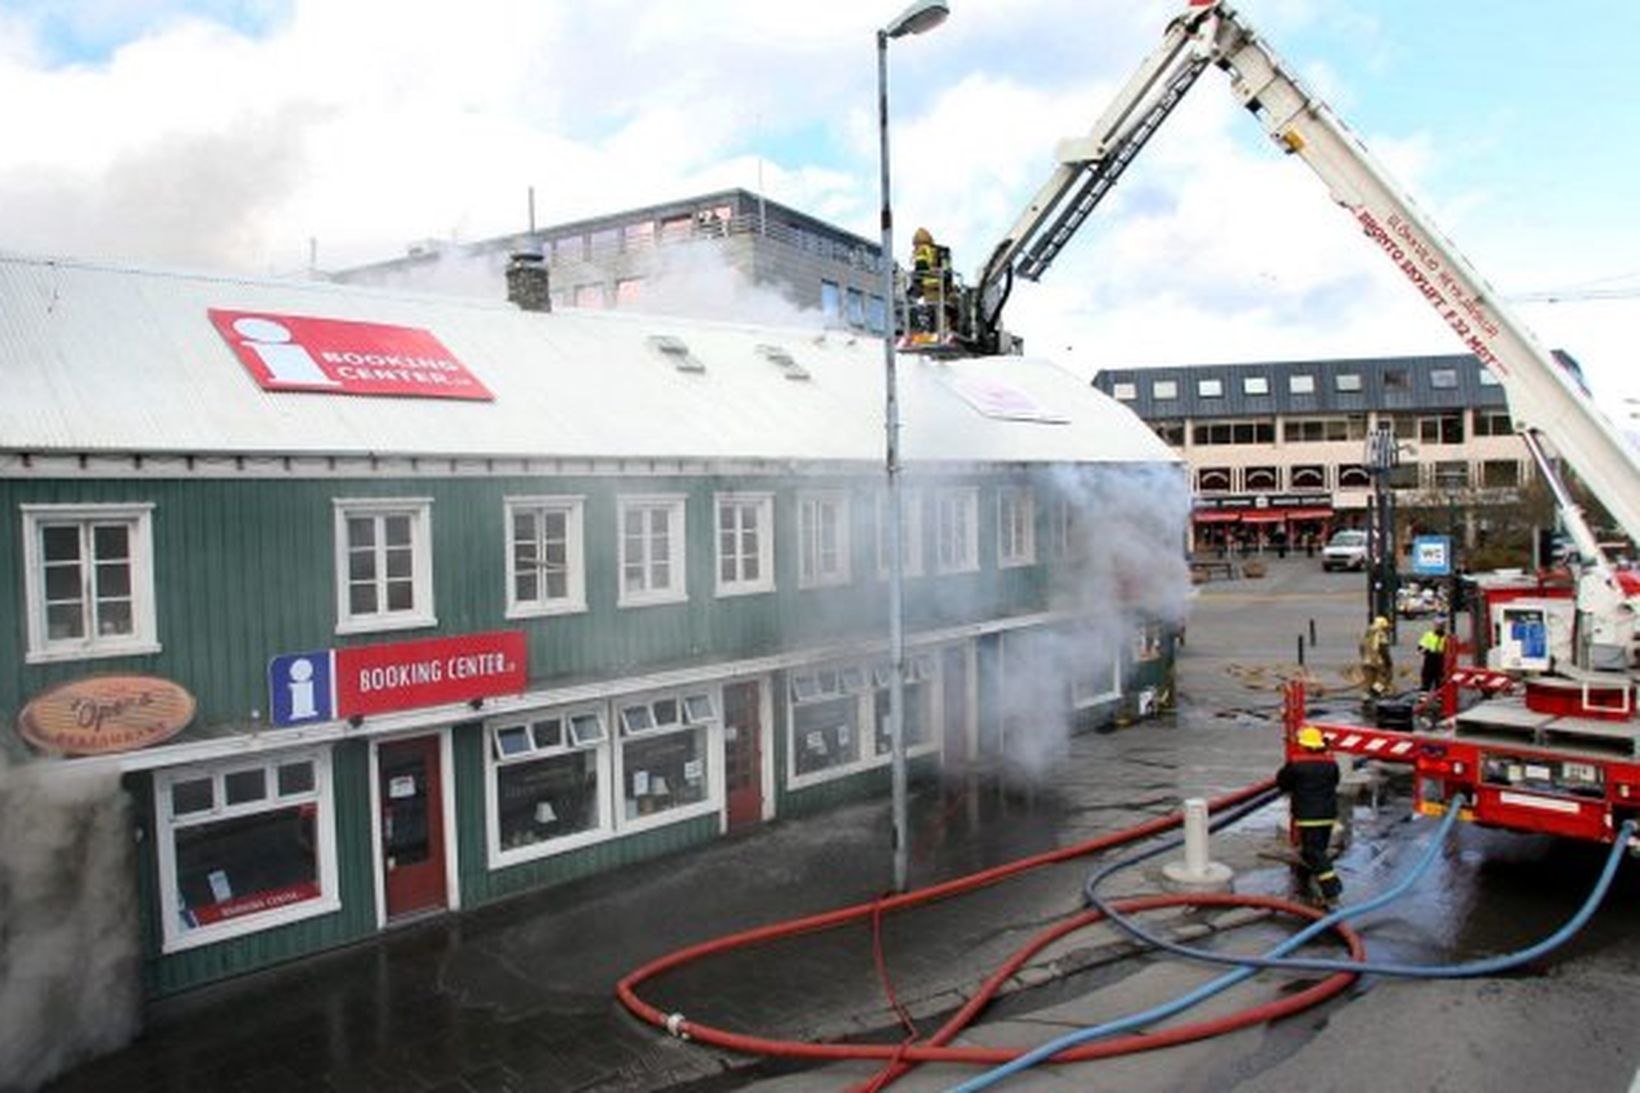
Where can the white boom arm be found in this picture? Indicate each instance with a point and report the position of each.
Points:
(1544, 400)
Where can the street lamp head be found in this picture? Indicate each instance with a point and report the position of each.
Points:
(920, 16)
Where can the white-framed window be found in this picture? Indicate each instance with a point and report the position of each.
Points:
(1164, 390)
(745, 543)
(549, 778)
(822, 539)
(1255, 385)
(911, 534)
(957, 530)
(665, 753)
(1062, 529)
(1016, 526)
(1210, 388)
(825, 719)
(1093, 684)
(1443, 378)
(90, 581)
(921, 681)
(1126, 392)
(837, 721)
(652, 550)
(1301, 383)
(384, 564)
(546, 569)
(1347, 381)
(244, 846)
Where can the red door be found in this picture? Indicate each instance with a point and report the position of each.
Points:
(742, 754)
(412, 825)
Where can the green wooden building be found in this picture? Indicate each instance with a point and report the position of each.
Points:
(385, 605)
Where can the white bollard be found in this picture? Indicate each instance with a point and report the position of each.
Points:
(1197, 872)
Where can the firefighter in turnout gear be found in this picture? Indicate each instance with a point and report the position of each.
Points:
(931, 294)
(1310, 779)
(1377, 670)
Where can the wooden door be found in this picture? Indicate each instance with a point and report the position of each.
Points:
(743, 753)
(412, 825)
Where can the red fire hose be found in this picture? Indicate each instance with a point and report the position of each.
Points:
(900, 1057)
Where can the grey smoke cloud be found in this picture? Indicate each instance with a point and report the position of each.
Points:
(70, 969)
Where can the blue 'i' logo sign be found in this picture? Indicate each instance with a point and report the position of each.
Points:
(300, 688)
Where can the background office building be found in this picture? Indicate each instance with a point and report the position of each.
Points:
(692, 257)
(1277, 450)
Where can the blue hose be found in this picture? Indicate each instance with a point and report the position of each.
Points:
(1216, 986)
(1247, 966)
(1488, 966)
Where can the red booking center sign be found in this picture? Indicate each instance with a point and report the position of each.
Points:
(300, 353)
(374, 679)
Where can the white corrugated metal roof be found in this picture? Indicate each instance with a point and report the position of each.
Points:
(97, 358)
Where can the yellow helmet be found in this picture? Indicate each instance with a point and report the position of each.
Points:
(1380, 623)
(1310, 738)
(922, 237)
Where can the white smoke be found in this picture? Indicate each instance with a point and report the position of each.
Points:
(1126, 570)
(70, 963)
(697, 280)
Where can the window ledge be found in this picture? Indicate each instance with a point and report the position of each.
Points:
(93, 652)
(251, 924)
(540, 611)
(376, 623)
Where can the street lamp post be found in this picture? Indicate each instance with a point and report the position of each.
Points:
(922, 15)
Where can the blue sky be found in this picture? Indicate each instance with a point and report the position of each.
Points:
(238, 133)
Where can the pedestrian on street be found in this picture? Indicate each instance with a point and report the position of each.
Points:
(1310, 780)
(1433, 647)
(1377, 668)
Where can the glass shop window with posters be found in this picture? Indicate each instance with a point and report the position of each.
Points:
(825, 718)
(548, 770)
(919, 693)
(244, 847)
(664, 754)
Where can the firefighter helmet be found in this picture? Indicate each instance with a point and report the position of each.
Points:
(922, 238)
(1310, 738)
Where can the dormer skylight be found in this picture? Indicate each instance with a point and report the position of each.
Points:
(784, 361)
(676, 350)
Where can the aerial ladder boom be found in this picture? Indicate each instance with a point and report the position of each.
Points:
(1089, 166)
(1545, 401)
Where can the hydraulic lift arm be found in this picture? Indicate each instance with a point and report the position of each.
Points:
(1089, 166)
(1545, 400)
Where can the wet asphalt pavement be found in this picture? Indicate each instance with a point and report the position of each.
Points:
(519, 996)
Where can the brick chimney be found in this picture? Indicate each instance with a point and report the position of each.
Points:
(527, 284)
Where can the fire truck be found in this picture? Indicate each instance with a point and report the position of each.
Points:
(1542, 735)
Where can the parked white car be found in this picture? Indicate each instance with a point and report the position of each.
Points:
(1347, 549)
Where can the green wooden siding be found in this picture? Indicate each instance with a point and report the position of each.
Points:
(165, 974)
(244, 570)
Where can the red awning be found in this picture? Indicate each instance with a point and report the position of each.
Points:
(1211, 517)
(1264, 516)
(1308, 514)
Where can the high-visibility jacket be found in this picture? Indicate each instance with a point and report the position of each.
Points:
(1312, 782)
(1432, 642)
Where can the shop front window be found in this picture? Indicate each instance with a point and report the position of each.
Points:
(919, 688)
(549, 772)
(825, 718)
(245, 847)
(664, 758)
